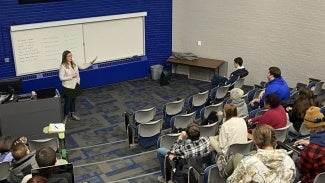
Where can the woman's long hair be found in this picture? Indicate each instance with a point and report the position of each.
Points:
(264, 135)
(64, 59)
(305, 99)
(230, 111)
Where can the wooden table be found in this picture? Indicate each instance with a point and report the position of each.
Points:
(211, 64)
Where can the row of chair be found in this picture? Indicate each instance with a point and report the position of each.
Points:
(136, 123)
(206, 171)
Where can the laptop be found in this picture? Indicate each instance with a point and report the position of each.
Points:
(59, 173)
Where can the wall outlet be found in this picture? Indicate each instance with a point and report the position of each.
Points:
(7, 59)
(199, 43)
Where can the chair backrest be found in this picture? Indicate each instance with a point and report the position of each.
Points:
(317, 88)
(167, 140)
(144, 115)
(282, 133)
(150, 129)
(219, 92)
(204, 113)
(303, 131)
(198, 165)
(173, 108)
(4, 170)
(252, 94)
(320, 178)
(242, 148)
(149, 132)
(239, 83)
(209, 130)
(182, 120)
(212, 175)
(260, 112)
(257, 93)
(200, 99)
(35, 145)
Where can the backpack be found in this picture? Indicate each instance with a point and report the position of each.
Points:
(165, 78)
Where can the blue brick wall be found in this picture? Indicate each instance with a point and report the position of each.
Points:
(158, 28)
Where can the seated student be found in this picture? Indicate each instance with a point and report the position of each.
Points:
(312, 157)
(24, 162)
(46, 156)
(5, 145)
(276, 85)
(233, 130)
(275, 116)
(37, 179)
(240, 71)
(197, 146)
(268, 165)
(236, 95)
(298, 110)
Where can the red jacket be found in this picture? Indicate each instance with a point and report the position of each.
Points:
(276, 118)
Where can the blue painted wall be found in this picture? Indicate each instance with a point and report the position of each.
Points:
(158, 37)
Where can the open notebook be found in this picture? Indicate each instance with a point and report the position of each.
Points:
(60, 173)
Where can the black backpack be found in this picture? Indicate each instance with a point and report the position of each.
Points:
(165, 78)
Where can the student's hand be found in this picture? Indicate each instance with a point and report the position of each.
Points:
(219, 113)
(183, 135)
(261, 95)
(288, 109)
(92, 62)
(249, 121)
(303, 142)
(74, 75)
(254, 101)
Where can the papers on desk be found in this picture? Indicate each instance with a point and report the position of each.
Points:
(56, 127)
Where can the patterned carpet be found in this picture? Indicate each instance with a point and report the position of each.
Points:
(97, 145)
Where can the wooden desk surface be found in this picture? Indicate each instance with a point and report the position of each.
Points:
(201, 62)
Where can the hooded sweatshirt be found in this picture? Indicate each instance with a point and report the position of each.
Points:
(277, 86)
(312, 158)
(241, 107)
(21, 168)
(265, 166)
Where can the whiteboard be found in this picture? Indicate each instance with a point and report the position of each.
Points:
(112, 40)
(38, 47)
(39, 50)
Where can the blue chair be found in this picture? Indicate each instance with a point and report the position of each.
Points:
(239, 83)
(281, 134)
(242, 148)
(144, 115)
(198, 165)
(167, 140)
(171, 109)
(209, 130)
(218, 93)
(205, 111)
(148, 133)
(212, 175)
(197, 101)
(181, 121)
(139, 117)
